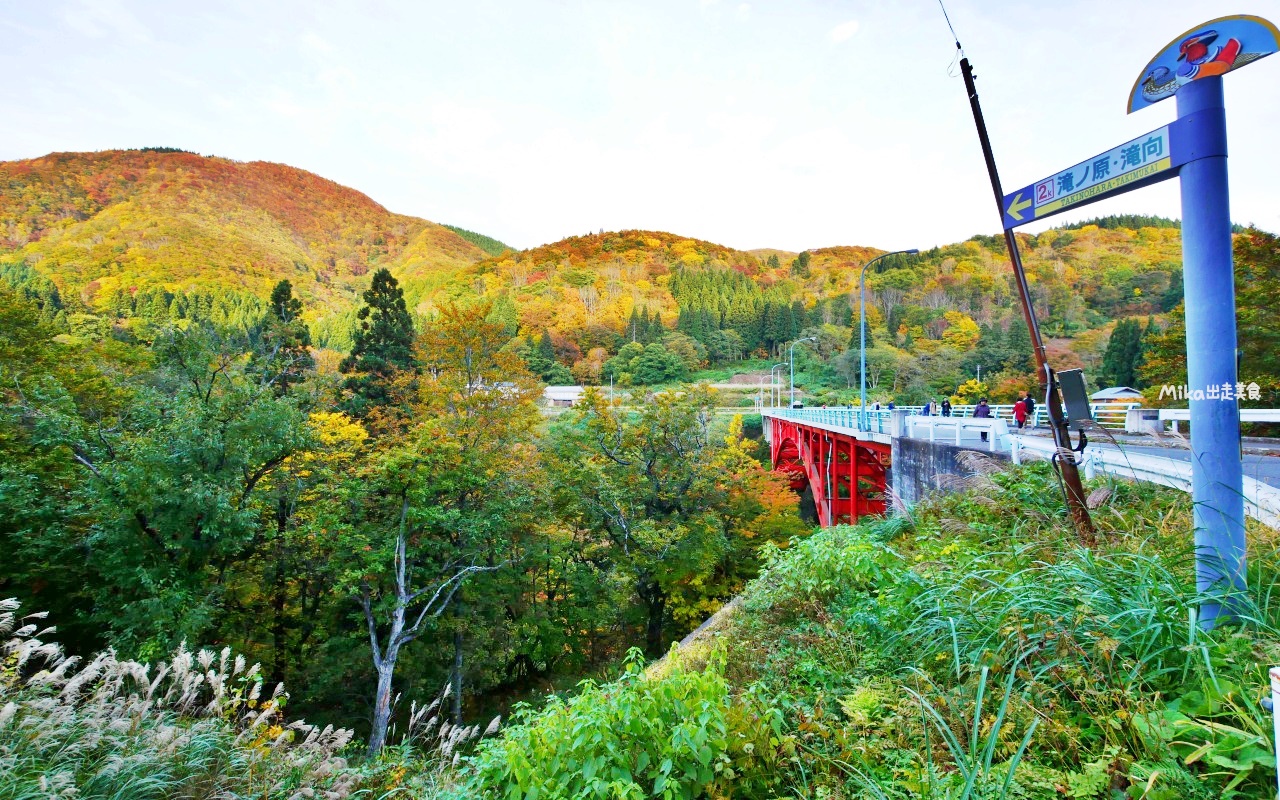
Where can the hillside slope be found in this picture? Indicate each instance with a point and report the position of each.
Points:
(970, 649)
(1081, 279)
(99, 224)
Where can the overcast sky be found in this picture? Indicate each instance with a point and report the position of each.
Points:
(796, 124)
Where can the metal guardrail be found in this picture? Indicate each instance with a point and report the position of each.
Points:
(1262, 502)
(1108, 415)
(1246, 414)
(1174, 415)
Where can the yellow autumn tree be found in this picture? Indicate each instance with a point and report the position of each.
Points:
(962, 332)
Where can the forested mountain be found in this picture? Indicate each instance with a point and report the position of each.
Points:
(120, 242)
(132, 233)
(933, 319)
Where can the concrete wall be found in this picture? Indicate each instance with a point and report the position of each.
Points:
(917, 464)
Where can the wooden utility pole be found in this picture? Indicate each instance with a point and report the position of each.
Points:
(1065, 462)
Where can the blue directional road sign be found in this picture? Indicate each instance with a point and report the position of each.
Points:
(1148, 159)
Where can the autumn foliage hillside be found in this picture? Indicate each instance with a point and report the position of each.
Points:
(1081, 280)
(102, 223)
(126, 235)
(597, 280)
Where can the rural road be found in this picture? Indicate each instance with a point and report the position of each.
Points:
(1262, 468)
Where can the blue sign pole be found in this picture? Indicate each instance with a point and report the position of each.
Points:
(1216, 483)
(1194, 148)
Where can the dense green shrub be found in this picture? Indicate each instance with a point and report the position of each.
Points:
(678, 733)
(819, 568)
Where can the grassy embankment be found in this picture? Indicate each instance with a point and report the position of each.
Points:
(970, 650)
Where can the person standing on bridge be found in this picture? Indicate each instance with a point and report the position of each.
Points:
(1030, 404)
(982, 411)
(1020, 413)
(946, 406)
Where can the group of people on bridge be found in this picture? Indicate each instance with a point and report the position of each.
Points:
(1024, 409)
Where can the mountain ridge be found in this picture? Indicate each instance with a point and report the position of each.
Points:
(117, 231)
(99, 222)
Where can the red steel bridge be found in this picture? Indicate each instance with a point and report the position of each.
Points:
(826, 451)
(844, 459)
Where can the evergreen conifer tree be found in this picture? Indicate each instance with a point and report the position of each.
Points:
(800, 266)
(546, 349)
(784, 325)
(1017, 347)
(284, 306)
(382, 344)
(1123, 355)
(855, 338)
(504, 313)
(764, 326)
(710, 321)
(798, 316)
(697, 329)
(284, 356)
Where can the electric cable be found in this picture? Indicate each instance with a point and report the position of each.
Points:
(951, 68)
(947, 17)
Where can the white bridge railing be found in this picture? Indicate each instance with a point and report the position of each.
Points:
(1262, 501)
(848, 418)
(1108, 415)
(988, 434)
(992, 433)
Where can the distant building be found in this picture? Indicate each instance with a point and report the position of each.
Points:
(562, 396)
(1117, 394)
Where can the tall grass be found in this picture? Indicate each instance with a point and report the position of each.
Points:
(1110, 687)
(196, 726)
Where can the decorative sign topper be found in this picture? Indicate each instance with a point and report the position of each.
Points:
(1214, 48)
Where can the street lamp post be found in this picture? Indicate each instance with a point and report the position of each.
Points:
(773, 384)
(862, 324)
(793, 365)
